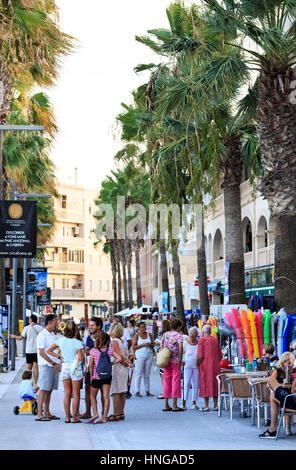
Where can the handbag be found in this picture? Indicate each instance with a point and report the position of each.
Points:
(163, 357)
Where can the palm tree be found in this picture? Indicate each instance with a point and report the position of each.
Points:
(164, 270)
(270, 26)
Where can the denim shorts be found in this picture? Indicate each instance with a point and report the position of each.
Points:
(75, 375)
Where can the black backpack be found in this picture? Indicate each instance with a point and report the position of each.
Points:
(104, 367)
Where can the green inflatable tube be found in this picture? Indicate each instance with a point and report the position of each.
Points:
(266, 329)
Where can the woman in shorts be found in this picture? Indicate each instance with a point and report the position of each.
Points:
(71, 356)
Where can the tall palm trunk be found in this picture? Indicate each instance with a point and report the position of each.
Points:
(128, 256)
(231, 165)
(164, 271)
(178, 284)
(276, 118)
(138, 274)
(114, 277)
(119, 286)
(202, 267)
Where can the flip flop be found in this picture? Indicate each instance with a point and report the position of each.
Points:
(52, 417)
(101, 422)
(67, 421)
(167, 409)
(113, 418)
(44, 418)
(204, 410)
(78, 421)
(92, 421)
(178, 409)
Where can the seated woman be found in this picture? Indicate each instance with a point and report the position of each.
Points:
(279, 392)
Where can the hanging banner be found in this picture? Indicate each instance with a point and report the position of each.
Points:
(9, 279)
(226, 291)
(37, 282)
(165, 303)
(18, 229)
(43, 300)
(4, 336)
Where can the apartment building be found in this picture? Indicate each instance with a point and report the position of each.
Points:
(79, 272)
(258, 241)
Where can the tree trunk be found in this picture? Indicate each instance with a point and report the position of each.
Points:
(202, 270)
(138, 276)
(119, 286)
(234, 251)
(178, 285)
(125, 291)
(285, 264)
(164, 271)
(114, 270)
(130, 285)
(129, 259)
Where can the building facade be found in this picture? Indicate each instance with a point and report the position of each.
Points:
(79, 272)
(258, 242)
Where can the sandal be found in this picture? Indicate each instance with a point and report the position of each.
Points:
(167, 409)
(204, 409)
(52, 417)
(84, 416)
(122, 416)
(77, 421)
(67, 421)
(44, 418)
(93, 420)
(178, 409)
(138, 395)
(113, 418)
(148, 394)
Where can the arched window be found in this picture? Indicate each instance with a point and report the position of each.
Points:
(262, 233)
(218, 249)
(247, 235)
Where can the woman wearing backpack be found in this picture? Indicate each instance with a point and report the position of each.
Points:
(100, 367)
(120, 373)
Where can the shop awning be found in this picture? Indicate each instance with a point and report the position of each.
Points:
(267, 290)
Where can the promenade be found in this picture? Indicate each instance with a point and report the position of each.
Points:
(146, 426)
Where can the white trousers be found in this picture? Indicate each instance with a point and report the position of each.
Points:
(143, 369)
(190, 377)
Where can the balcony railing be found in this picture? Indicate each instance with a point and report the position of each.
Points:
(67, 293)
(265, 256)
(71, 216)
(73, 268)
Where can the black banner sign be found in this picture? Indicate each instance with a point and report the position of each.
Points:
(18, 229)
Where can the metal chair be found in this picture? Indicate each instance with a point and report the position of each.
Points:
(240, 389)
(285, 412)
(223, 391)
(260, 398)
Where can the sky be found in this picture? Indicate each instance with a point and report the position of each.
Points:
(96, 78)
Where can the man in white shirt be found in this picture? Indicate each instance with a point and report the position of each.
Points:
(31, 332)
(49, 368)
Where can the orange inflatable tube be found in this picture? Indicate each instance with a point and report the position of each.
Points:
(248, 335)
(251, 318)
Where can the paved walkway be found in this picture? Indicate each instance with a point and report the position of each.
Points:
(146, 426)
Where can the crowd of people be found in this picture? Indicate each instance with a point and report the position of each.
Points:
(104, 362)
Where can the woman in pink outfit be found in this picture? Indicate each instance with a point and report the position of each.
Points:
(209, 355)
(172, 372)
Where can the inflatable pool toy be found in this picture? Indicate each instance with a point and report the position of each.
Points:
(266, 328)
(239, 331)
(286, 330)
(248, 335)
(251, 318)
(273, 327)
(280, 331)
(229, 319)
(258, 317)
